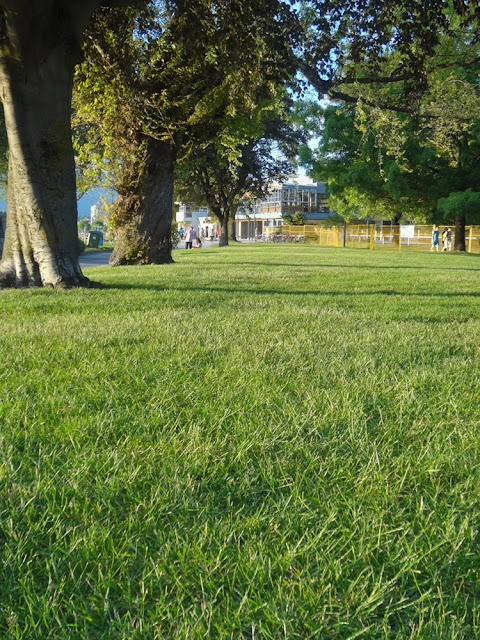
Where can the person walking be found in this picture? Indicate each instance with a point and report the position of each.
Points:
(444, 239)
(190, 236)
(448, 239)
(435, 238)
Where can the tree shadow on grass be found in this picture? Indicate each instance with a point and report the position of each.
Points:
(371, 267)
(283, 292)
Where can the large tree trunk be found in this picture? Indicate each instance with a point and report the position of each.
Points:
(143, 215)
(232, 234)
(37, 58)
(41, 245)
(460, 234)
(223, 238)
(222, 217)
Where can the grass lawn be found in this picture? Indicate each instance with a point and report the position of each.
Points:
(258, 442)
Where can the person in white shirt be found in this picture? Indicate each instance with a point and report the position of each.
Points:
(190, 236)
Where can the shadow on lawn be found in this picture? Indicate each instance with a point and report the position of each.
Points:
(372, 267)
(283, 292)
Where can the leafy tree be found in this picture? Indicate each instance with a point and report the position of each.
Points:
(398, 147)
(392, 170)
(171, 77)
(240, 136)
(365, 179)
(84, 226)
(297, 218)
(41, 44)
(238, 157)
(118, 99)
(350, 45)
(464, 208)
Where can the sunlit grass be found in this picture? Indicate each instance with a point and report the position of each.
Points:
(259, 442)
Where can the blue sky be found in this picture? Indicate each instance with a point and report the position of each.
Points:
(84, 204)
(89, 199)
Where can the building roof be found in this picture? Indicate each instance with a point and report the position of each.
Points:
(299, 182)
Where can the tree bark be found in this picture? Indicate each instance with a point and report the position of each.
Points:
(460, 244)
(232, 235)
(39, 51)
(222, 217)
(143, 216)
(223, 238)
(41, 246)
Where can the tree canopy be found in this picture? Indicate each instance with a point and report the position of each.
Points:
(156, 78)
(260, 148)
(401, 136)
(172, 75)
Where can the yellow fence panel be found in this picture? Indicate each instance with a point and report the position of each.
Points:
(472, 237)
(373, 236)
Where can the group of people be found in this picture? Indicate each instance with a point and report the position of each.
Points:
(446, 239)
(193, 240)
(191, 237)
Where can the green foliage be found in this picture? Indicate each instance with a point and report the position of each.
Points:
(119, 102)
(241, 135)
(463, 203)
(382, 154)
(222, 175)
(80, 246)
(306, 464)
(453, 101)
(167, 72)
(84, 224)
(382, 41)
(207, 79)
(360, 182)
(297, 218)
(406, 75)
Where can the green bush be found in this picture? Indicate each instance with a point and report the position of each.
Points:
(80, 246)
(298, 218)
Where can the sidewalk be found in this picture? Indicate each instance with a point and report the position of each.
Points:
(101, 257)
(95, 258)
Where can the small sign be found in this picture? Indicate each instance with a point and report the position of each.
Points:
(407, 230)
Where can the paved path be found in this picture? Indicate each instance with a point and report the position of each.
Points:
(99, 258)
(95, 258)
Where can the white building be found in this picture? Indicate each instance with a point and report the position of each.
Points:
(93, 213)
(259, 216)
(297, 194)
(189, 214)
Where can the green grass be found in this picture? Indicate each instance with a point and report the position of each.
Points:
(257, 442)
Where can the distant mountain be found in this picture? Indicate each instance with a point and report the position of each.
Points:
(85, 202)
